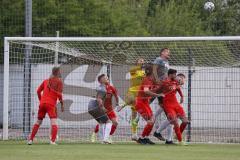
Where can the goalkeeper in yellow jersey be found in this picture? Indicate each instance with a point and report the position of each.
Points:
(137, 74)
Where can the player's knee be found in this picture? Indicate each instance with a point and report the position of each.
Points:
(115, 123)
(150, 122)
(134, 114)
(175, 124)
(53, 121)
(185, 120)
(173, 121)
(39, 122)
(108, 121)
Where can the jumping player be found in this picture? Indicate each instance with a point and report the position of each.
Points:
(160, 70)
(180, 79)
(146, 92)
(49, 92)
(107, 103)
(137, 74)
(171, 106)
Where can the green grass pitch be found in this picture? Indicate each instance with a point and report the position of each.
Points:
(15, 150)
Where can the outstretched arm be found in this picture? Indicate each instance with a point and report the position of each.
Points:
(151, 93)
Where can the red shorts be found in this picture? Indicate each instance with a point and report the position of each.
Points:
(111, 114)
(46, 108)
(143, 108)
(174, 111)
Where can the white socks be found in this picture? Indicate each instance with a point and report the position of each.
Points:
(108, 127)
(169, 132)
(163, 126)
(166, 124)
(101, 132)
(157, 116)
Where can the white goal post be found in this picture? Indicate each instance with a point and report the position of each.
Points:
(221, 58)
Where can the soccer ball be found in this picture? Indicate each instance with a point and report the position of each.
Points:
(209, 6)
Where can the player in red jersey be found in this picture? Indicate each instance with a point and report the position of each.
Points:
(49, 92)
(110, 92)
(146, 92)
(171, 106)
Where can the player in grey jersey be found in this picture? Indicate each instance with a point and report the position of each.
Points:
(98, 112)
(161, 65)
(160, 70)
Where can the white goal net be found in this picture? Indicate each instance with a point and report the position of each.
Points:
(212, 91)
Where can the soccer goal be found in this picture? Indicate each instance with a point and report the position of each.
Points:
(212, 91)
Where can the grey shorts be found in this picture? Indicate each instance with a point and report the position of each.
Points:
(96, 112)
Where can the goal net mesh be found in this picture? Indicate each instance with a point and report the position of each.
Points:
(215, 85)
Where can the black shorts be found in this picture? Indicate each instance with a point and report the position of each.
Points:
(96, 112)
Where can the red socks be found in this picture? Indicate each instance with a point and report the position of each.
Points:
(178, 132)
(113, 129)
(96, 128)
(147, 130)
(182, 127)
(54, 132)
(34, 131)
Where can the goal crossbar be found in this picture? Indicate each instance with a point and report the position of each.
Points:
(202, 38)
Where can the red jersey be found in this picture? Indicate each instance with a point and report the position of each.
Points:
(50, 95)
(110, 92)
(170, 88)
(146, 83)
